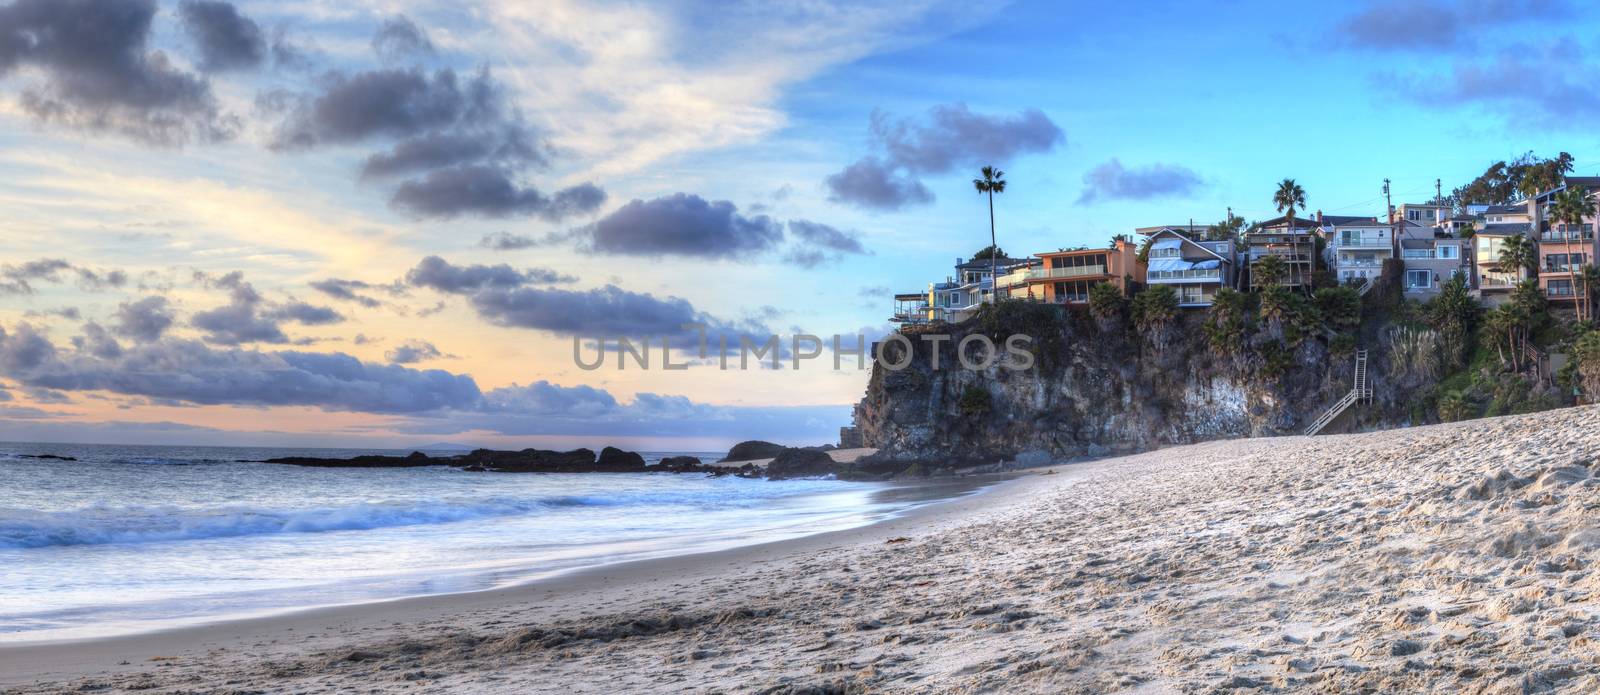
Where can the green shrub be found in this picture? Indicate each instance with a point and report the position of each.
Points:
(975, 400)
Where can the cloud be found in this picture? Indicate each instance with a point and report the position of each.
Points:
(19, 278)
(143, 320)
(190, 371)
(951, 136)
(388, 102)
(1544, 86)
(227, 40)
(399, 38)
(305, 314)
(436, 273)
(249, 318)
(488, 191)
(506, 241)
(509, 145)
(817, 243)
(1112, 181)
(680, 225)
(346, 290)
(413, 351)
(1427, 26)
(873, 183)
(97, 341)
(98, 73)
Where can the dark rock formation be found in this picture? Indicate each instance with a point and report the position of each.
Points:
(801, 463)
(413, 460)
(680, 464)
(754, 449)
(48, 457)
(530, 461)
(614, 459)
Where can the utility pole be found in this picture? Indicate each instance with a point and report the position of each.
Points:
(1438, 192)
(1387, 202)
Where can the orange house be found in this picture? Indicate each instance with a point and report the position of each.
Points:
(1066, 276)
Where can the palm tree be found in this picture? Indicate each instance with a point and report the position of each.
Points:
(1288, 196)
(1589, 279)
(1516, 253)
(1569, 208)
(993, 182)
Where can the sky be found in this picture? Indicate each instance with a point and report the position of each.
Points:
(387, 223)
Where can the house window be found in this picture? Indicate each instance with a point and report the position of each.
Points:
(1419, 279)
(1449, 252)
(1560, 288)
(1165, 253)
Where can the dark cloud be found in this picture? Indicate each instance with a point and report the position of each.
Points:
(347, 291)
(817, 243)
(226, 39)
(192, 372)
(872, 183)
(489, 191)
(70, 313)
(1112, 181)
(305, 314)
(512, 145)
(249, 318)
(143, 320)
(951, 136)
(1544, 86)
(413, 351)
(19, 278)
(875, 291)
(681, 225)
(506, 241)
(1428, 26)
(97, 341)
(98, 73)
(399, 38)
(436, 273)
(390, 102)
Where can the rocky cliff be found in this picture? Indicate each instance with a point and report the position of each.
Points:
(1100, 387)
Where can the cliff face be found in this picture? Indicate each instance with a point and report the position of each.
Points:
(1097, 389)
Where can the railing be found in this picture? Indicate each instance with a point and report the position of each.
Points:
(1183, 275)
(1357, 263)
(1570, 235)
(1362, 241)
(1361, 390)
(1074, 272)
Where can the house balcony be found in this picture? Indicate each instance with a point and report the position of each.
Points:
(1343, 263)
(1363, 242)
(1574, 236)
(1059, 273)
(1561, 268)
(1155, 277)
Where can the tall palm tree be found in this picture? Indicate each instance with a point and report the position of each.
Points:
(992, 182)
(1569, 208)
(1288, 196)
(1516, 253)
(1589, 277)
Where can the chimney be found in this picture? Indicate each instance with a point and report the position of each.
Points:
(1319, 218)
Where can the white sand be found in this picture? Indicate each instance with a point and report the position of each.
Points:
(838, 455)
(1454, 558)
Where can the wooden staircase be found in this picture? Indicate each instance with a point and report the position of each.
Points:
(1360, 392)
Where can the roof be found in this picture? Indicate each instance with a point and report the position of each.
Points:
(909, 296)
(1416, 243)
(1003, 262)
(1180, 240)
(1518, 209)
(1072, 252)
(1299, 222)
(1507, 229)
(1336, 220)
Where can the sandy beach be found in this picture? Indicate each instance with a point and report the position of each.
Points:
(1453, 558)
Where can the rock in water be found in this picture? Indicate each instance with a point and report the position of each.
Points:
(413, 460)
(614, 459)
(531, 461)
(801, 463)
(680, 464)
(754, 449)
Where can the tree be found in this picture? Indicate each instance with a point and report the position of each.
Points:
(1453, 314)
(1340, 306)
(1569, 208)
(1153, 311)
(1225, 321)
(988, 252)
(1589, 281)
(1516, 254)
(1269, 271)
(1118, 238)
(1105, 301)
(1288, 196)
(1226, 230)
(993, 181)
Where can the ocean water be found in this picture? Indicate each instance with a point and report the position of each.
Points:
(135, 538)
